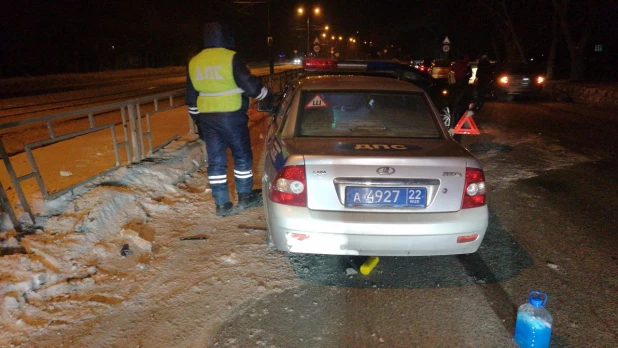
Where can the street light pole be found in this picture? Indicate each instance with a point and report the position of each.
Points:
(302, 11)
(271, 63)
(308, 34)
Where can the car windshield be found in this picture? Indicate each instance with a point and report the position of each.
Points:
(366, 114)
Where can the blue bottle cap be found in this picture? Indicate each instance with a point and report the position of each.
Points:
(536, 301)
(537, 298)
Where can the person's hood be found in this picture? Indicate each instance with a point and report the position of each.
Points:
(217, 34)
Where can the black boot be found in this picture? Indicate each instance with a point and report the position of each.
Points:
(250, 200)
(226, 209)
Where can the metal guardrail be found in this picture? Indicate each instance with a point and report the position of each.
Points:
(133, 132)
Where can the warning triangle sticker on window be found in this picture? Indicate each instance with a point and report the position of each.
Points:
(316, 102)
(472, 128)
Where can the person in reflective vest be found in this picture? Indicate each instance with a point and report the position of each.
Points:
(218, 92)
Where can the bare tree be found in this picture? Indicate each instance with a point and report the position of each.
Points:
(503, 14)
(576, 25)
(553, 49)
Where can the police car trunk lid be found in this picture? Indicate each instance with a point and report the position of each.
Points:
(333, 165)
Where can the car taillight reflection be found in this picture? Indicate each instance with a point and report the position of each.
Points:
(289, 186)
(474, 194)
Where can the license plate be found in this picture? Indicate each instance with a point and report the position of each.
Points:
(386, 196)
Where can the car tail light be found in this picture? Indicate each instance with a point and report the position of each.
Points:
(319, 64)
(474, 194)
(540, 79)
(504, 79)
(467, 239)
(289, 186)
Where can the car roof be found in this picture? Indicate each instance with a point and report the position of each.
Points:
(356, 82)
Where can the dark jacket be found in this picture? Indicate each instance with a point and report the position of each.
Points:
(483, 72)
(219, 35)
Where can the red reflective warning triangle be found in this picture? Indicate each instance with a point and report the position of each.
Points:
(316, 102)
(473, 129)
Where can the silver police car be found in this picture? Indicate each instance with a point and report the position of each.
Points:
(362, 165)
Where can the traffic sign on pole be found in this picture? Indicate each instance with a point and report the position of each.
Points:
(446, 41)
(316, 48)
(446, 48)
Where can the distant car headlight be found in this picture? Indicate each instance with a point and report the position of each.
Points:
(296, 61)
(504, 79)
(540, 79)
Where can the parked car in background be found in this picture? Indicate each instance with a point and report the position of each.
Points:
(517, 79)
(440, 69)
(424, 66)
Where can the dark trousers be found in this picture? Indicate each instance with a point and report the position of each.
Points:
(461, 98)
(221, 131)
(481, 91)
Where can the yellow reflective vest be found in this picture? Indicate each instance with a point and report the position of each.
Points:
(212, 75)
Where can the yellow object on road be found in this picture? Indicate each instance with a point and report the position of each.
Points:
(369, 264)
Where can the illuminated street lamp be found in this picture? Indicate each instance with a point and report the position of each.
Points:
(301, 11)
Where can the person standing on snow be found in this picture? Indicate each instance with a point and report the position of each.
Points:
(460, 99)
(483, 79)
(219, 87)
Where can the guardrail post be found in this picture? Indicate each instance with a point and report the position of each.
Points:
(135, 145)
(140, 132)
(8, 209)
(123, 114)
(15, 181)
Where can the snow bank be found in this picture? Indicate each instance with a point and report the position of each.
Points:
(87, 229)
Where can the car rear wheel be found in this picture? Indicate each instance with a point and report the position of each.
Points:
(445, 115)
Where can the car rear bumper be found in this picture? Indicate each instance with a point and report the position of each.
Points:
(301, 230)
(520, 90)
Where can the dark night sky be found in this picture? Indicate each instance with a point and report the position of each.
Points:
(40, 37)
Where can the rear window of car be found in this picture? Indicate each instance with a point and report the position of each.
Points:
(519, 68)
(365, 114)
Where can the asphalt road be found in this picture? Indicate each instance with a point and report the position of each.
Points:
(553, 179)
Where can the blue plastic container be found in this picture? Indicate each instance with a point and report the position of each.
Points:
(533, 326)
